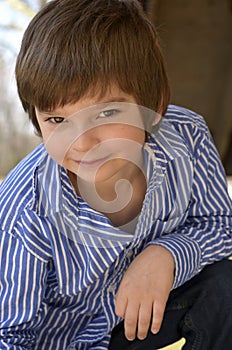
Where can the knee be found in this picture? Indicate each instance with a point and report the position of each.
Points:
(217, 278)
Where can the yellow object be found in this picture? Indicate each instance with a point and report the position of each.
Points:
(176, 346)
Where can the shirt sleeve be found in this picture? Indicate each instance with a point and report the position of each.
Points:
(22, 281)
(206, 235)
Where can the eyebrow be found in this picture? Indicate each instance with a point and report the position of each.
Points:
(104, 103)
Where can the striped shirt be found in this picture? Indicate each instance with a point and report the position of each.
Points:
(62, 262)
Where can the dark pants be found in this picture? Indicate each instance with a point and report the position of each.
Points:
(200, 311)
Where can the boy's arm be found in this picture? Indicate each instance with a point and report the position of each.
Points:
(206, 235)
(171, 260)
(22, 279)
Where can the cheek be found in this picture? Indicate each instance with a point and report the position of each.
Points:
(124, 131)
(58, 146)
(45, 135)
(141, 136)
(133, 134)
(44, 130)
(125, 142)
(124, 139)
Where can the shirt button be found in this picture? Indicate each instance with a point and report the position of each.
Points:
(112, 288)
(129, 254)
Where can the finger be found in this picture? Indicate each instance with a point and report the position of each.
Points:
(120, 305)
(157, 318)
(131, 320)
(144, 320)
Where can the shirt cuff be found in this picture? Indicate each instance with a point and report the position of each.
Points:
(186, 253)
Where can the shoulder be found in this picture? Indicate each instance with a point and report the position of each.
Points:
(16, 190)
(182, 133)
(23, 171)
(182, 116)
(189, 125)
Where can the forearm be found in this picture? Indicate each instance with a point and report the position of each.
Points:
(206, 234)
(196, 245)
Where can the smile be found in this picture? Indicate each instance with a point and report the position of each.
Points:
(91, 163)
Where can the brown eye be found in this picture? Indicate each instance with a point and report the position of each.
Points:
(56, 120)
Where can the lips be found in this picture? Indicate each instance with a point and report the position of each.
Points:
(91, 163)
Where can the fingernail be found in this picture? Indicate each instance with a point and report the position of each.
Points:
(130, 338)
(154, 330)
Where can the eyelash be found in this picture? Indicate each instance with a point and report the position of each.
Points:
(103, 114)
(55, 120)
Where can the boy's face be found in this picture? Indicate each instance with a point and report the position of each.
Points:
(95, 138)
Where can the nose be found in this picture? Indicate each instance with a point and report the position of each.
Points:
(86, 141)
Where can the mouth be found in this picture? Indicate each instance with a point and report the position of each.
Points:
(91, 163)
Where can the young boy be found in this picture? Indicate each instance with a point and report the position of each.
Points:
(113, 230)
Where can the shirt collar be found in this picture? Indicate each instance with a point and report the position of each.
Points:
(49, 178)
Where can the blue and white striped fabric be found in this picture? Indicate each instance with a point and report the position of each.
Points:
(62, 262)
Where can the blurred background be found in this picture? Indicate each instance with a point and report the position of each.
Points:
(16, 134)
(196, 37)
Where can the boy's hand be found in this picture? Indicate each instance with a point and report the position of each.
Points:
(144, 290)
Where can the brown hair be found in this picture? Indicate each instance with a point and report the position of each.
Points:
(74, 47)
